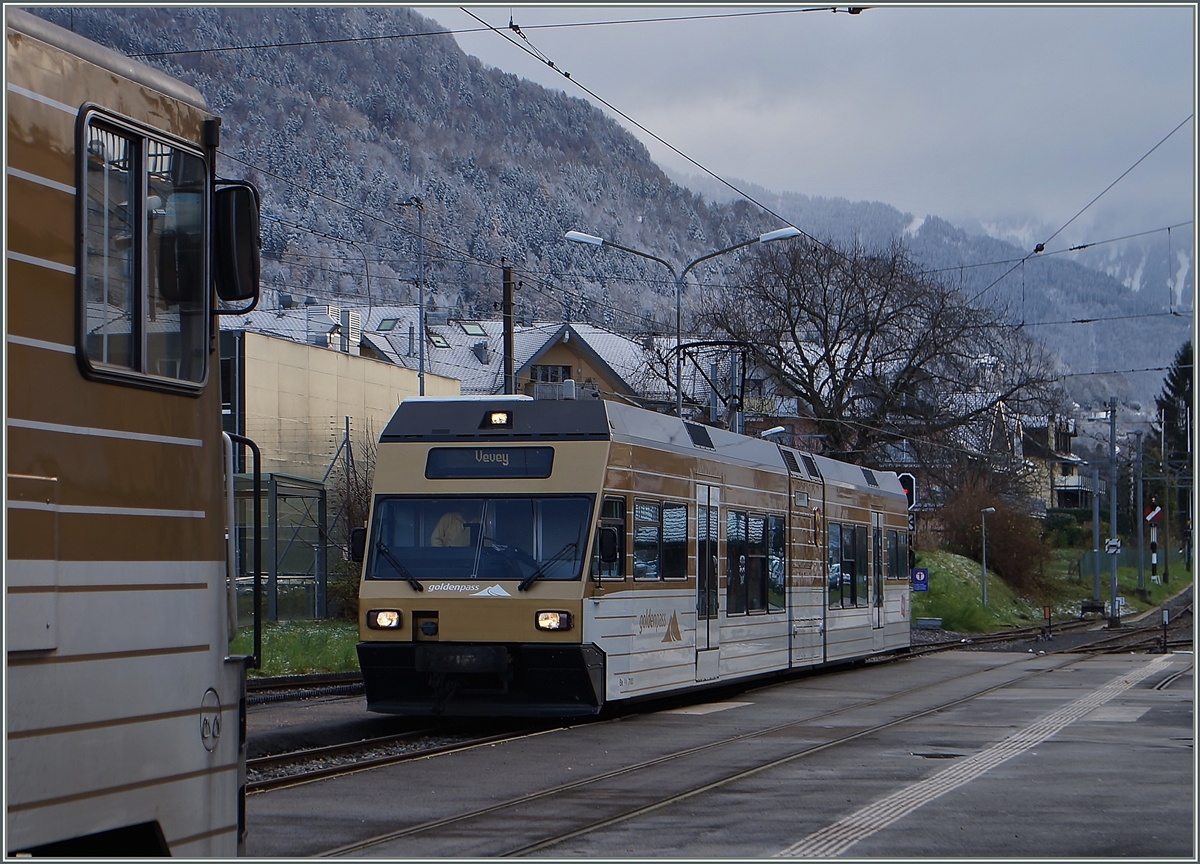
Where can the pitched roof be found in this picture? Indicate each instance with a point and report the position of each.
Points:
(470, 351)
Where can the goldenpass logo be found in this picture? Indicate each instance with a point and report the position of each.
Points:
(654, 621)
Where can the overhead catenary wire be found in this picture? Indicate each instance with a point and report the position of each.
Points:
(654, 325)
(460, 255)
(541, 57)
(467, 30)
(1045, 254)
(1040, 247)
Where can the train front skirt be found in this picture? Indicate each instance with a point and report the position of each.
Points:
(453, 680)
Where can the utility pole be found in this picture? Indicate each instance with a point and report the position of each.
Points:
(1138, 517)
(1166, 545)
(1114, 615)
(1095, 533)
(414, 201)
(507, 313)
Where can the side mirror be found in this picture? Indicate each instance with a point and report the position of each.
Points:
(358, 544)
(237, 245)
(609, 548)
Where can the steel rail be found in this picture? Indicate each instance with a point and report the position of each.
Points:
(584, 782)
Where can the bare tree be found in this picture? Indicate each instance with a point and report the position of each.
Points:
(881, 356)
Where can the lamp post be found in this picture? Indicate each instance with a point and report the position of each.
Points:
(414, 201)
(983, 524)
(679, 276)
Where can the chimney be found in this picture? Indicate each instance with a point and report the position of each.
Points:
(481, 352)
(351, 335)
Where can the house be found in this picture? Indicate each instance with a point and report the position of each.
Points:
(1060, 478)
(293, 379)
(545, 355)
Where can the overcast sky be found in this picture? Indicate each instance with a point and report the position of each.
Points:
(1004, 115)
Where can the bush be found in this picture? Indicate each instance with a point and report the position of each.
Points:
(1070, 528)
(1016, 551)
(342, 590)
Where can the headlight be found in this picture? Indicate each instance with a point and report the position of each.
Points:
(554, 620)
(383, 619)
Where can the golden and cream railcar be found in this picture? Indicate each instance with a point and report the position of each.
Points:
(122, 704)
(551, 557)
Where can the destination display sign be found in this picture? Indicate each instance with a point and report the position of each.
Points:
(484, 463)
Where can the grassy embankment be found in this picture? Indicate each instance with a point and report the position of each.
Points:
(306, 647)
(955, 593)
(302, 647)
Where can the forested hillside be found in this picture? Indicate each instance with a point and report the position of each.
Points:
(337, 135)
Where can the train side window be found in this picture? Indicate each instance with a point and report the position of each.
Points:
(756, 564)
(861, 573)
(776, 565)
(143, 280)
(894, 570)
(850, 566)
(647, 539)
(674, 541)
(612, 515)
(735, 560)
(835, 565)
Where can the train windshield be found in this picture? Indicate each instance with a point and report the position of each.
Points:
(480, 538)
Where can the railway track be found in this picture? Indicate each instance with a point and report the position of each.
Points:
(261, 691)
(1146, 636)
(627, 793)
(281, 770)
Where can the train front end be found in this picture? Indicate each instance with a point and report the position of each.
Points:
(476, 559)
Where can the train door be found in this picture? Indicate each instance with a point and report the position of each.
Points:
(877, 607)
(806, 607)
(708, 624)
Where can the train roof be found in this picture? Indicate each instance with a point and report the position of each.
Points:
(467, 419)
(93, 52)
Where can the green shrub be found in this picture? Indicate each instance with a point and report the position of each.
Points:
(1016, 551)
(341, 590)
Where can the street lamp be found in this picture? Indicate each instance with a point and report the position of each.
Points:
(414, 201)
(983, 524)
(771, 236)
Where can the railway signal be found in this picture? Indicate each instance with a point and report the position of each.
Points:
(1154, 515)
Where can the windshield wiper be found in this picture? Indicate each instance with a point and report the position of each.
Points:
(541, 571)
(400, 568)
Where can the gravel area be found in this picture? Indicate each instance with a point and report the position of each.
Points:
(348, 760)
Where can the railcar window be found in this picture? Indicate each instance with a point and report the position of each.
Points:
(776, 564)
(756, 564)
(848, 565)
(835, 565)
(612, 515)
(735, 563)
(144, 269)
(647, 539)
(479, 538)
(860, 567)
(674, 541)
(707, 530)
(894, 569)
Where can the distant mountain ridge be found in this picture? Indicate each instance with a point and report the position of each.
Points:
(1120, 284)
(505, 167)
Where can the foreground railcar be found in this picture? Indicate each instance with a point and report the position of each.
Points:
(549, 558)
(124, 713)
